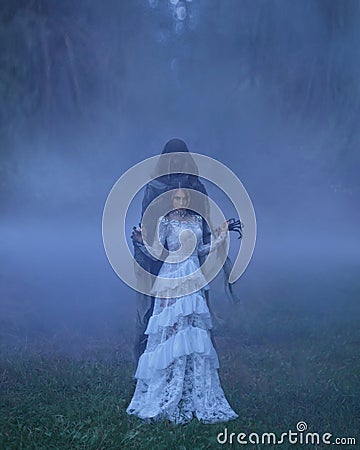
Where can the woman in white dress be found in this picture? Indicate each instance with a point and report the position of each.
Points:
(177, 376)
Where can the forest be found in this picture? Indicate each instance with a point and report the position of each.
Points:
(270, 89)
(66, 64)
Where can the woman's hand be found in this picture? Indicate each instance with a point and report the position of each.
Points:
(225, 226)
(222, 229)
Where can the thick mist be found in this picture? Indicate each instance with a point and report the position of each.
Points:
(268, 88)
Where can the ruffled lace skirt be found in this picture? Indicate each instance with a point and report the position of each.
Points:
(177, 376)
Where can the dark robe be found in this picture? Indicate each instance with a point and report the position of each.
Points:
(145, 303)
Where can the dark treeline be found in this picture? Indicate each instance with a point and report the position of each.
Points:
(59, 56)
(78, 61)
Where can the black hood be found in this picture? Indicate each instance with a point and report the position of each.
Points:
(175, 145)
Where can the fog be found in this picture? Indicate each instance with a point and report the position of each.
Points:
(271, 89)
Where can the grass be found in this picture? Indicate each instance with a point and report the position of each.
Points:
(281, 363)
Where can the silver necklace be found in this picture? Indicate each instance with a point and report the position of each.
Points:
(181, 213)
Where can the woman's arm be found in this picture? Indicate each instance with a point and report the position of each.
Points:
(205, 249)
(158, 246)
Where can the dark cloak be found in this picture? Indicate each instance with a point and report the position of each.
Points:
(154, 189)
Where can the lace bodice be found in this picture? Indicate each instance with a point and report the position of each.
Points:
(169, 231)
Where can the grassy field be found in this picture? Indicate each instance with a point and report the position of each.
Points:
(281, 362)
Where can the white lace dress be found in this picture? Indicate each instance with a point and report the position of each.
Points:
(177, 377)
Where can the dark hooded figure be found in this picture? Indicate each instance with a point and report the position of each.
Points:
(182, 172)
